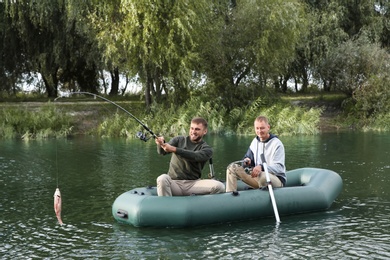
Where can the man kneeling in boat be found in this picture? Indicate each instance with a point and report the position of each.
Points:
(273, 150)
(189, 156)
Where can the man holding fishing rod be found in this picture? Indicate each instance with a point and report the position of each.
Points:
(189, 156)
(264, 146)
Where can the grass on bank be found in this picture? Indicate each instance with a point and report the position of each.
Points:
(170, 121)
(34, 123)
(293, 114)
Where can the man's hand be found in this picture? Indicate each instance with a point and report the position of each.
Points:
(160, 140)
(247, 162)
(256, 171)
(168, 148)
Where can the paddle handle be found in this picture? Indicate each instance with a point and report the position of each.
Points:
(212, 174)
(270, 189)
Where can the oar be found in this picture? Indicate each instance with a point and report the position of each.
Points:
(212, 174)
(270, 189)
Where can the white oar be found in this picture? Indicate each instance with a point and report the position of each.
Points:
(270, 189)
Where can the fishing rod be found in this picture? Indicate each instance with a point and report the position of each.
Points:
(139, 135)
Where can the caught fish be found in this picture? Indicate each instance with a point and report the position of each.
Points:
(58, 205)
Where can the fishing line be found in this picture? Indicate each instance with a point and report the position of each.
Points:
(57, 162)
(139, 135)
(57, 193)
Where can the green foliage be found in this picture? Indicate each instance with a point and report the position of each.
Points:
(248, 42)
(374, 96)
(175, 120)
(26, 123)
(51, 38)
(171, 121)
(284, 118)
(116, 126)
(373, 102)
(7, 131)
(380, 123)
(228, 51)
(352, 63)
(152, 39)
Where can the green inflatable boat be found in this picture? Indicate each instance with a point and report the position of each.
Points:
(307, 190)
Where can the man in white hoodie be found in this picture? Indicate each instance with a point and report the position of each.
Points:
(273, 150)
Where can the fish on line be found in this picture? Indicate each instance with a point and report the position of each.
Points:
(58, 205)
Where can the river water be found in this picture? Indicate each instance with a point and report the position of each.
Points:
(92, 172)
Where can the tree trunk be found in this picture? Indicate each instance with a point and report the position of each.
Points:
(123, 91)
(51, 83)
(327, 85)
(114, 82)
(305, 81)
(284, 84)
(148, 97)
(104, 81)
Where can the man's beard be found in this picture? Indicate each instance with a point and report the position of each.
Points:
(196, 139)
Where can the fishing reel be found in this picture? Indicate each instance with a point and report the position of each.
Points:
(247, 169)
(142, 136)
(246, 166)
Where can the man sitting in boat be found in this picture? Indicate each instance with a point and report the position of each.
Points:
(253, 174)
(189, 156)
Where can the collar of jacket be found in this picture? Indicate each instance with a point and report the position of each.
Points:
(271, 136)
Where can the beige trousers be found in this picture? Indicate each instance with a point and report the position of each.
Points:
(235, 171)
(168, 187)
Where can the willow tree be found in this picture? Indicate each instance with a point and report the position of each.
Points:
(12, 63)
(250, 41)
(334, 25)
(51, 43)
(154, 39)
(324, 33)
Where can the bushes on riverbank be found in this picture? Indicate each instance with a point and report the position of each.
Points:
(285, 119)
(59, 120)
(288, 116)
(26, 123)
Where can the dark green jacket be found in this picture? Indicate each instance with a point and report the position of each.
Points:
(188, 161)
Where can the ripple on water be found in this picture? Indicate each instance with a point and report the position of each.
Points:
(92, 175)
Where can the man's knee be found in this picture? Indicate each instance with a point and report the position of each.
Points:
(234, 169)
(276, 183)
(163, 179)
(219, 187)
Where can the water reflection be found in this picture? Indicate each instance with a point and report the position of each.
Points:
(92, 172)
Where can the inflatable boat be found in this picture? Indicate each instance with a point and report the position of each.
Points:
(307, 190)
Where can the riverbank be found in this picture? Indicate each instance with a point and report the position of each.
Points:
(87, 115)
(331, 105)
(328, 119)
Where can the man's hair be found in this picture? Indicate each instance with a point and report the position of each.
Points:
(199, 120)
(262, 119)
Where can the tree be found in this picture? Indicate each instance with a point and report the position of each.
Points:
(325, 34)
(12, 62)
(53, 44)
(352, 63)
(36, 22)
(332, 24)
(249, 41)
(153, 39)
(383, 9)
(360, 15)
